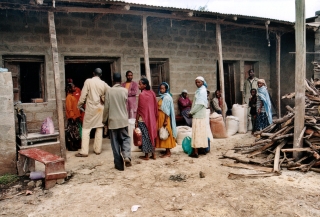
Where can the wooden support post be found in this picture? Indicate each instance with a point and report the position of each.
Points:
(146, 49)
(221, 73)
(300, 75)
(278, 47)
(57, 80)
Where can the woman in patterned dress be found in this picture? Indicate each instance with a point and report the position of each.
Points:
(146, 118)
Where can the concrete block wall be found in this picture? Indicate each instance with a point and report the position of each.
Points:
(7, 127)
(189, 46)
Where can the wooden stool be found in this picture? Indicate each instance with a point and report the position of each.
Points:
(54, 165)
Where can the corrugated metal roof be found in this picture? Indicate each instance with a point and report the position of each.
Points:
(205, 12)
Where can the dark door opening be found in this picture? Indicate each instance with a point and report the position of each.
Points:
(79, 72)
(229, 88)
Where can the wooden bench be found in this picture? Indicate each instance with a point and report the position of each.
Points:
(180, 120)
(54, 165)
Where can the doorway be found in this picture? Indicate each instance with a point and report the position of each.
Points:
(159, 70)
(81, 68)
(229, 84)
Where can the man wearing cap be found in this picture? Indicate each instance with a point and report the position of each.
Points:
(115, 116)
(92, 95)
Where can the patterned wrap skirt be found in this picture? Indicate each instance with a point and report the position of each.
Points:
(185, 114)
(262, 121)
(146, 146)
(199, 133)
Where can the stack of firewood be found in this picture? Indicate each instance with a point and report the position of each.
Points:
(275, 142)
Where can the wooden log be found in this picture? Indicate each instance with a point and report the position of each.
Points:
(289, 96)
(313, 98)
(296, 150)
(283, 119)
(259, 151)
(266, 130)
(276, 166)
(299, 140)
(283, 136)
(289, 108)
(278, 133)
(308, 88)
(146, 48)
(261, 142)
(288, 122)
(57, 82)
(267, 134)
(220, 60)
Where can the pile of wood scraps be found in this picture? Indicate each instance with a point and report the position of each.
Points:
(274, 145)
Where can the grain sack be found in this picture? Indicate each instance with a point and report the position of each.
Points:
(241, 112)
(183, 131)
(217, 127)
(232, 123)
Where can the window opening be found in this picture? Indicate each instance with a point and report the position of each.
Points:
(27, 77)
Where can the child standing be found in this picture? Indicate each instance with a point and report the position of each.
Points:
(253, 110)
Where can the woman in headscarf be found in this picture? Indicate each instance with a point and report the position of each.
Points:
(73, 134)
(198, 112)
(264, 115)
(166, 118)
(146, 118)
(185, 104)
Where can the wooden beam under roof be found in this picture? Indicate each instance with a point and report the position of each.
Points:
(24, 7)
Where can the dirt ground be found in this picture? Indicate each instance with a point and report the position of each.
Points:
(97, 189)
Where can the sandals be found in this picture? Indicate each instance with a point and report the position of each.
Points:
(81, 155)
(193, 155)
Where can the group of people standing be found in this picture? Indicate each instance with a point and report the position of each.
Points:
(112, 106)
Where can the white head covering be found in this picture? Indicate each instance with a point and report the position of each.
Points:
(202, 79)
(184, 91)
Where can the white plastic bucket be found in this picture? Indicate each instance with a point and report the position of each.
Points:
(131, 126)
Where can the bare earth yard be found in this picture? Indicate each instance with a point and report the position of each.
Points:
(97, 189)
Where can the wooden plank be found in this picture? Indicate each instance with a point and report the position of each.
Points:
(258, 175)
(146, 49)
(276, 166)
(221, 73)
(248, 166)
(278, 52)
(300, 74)
(56, 72)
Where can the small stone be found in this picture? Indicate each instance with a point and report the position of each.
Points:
(38, 183)
(31, 184)
(201, 174)
(291, 179)
(60, 181)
